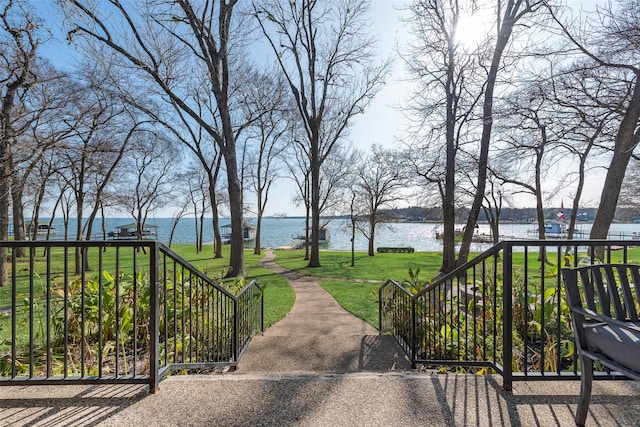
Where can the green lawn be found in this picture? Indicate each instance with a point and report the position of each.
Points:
(361, 298)
(358, 298)
(336, 264)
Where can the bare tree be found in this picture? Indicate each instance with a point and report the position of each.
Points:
(380, 181)
(42, 130)
(530, 136)
(296, 160)
(612, 42)
(177, 45)
(180, 213)
(335, 178)
(492, 206)
(89, 156)
(150, 168)
(509, 13)
(447, 92)
(590, 118)
(19, 42)
(266, 139)
(326, 57)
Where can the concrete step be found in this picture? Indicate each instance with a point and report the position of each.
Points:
(297, 323)
(333, 400)
(289, 354)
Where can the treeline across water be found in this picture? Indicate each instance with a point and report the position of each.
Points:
(515, 215)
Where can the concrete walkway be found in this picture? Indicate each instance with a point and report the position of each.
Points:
(319, 336)
(321, 366)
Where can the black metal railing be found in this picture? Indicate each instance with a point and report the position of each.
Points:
(504, 311)
(115, 312)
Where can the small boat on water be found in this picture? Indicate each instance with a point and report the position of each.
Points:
(41, 230)
(44, 229)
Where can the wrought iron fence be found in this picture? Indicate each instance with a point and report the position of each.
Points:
(504, 311)
(115, 312)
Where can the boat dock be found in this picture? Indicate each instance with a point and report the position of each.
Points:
(296, 244)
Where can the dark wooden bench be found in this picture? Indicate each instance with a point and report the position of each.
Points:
(603, 300)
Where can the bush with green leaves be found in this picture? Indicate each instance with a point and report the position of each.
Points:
(100, 326)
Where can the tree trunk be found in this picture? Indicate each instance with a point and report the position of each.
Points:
(448, 201)
(307, 228)
(487, 124)
(353, 241)
(626, 140)
(314, 259)
(197, 231)
(495, 230)
(35, 215)
(4, 215)
(18, 212)
(201, 236)
(236, 257)
(173, 229)
(5, 177)
(256, 249)
(215, 217)
(79, 236)
(18, 215)
(217, 237)
(372, 232)
(576, 200)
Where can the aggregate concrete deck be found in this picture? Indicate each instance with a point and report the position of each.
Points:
(321, 366)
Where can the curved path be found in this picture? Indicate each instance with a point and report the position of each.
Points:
(319, 336)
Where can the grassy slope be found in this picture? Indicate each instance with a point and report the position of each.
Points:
(358, 298)
(278, 295)
(361, 298)
(378, 268)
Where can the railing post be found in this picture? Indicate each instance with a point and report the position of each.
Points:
(414, 334)
(154, 314)
(507, 318)
(236, 330)
(380, 308)
(261, 310)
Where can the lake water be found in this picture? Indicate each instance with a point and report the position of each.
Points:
(282, 231)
